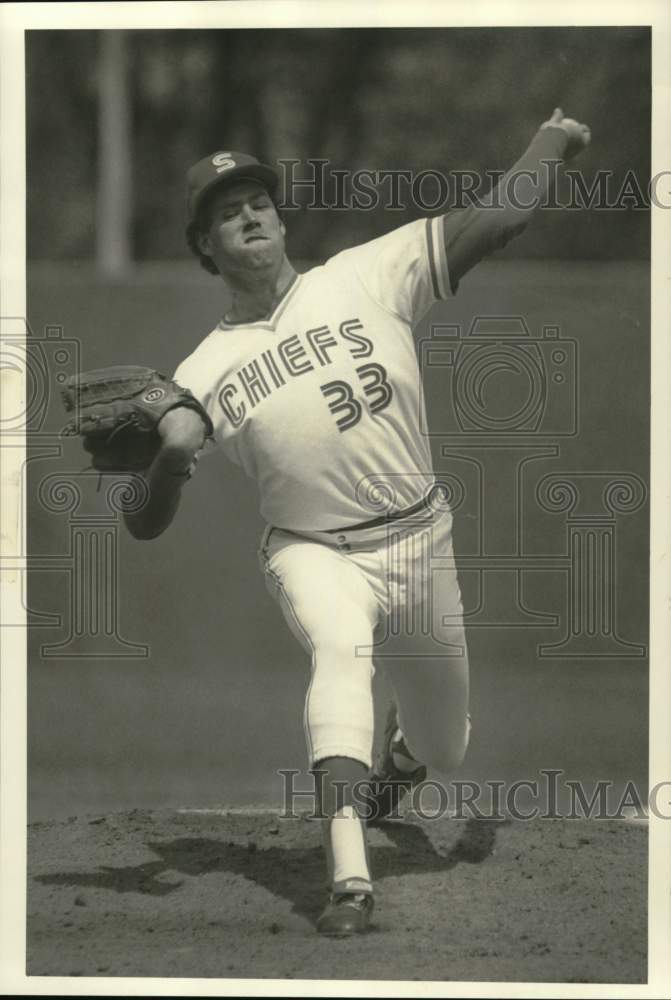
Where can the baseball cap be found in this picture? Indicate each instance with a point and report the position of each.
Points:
(224, 166)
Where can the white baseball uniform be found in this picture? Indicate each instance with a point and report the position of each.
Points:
(322, 404)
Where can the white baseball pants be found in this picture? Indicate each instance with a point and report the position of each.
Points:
(389, 596)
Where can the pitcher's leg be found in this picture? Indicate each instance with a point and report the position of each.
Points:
(423, 649)
(331, 609)
(431, 693)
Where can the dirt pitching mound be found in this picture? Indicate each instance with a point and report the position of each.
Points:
(236, 895)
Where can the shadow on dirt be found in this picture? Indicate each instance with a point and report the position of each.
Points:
(295, 874)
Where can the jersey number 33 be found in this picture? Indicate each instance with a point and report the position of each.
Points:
(344, 405)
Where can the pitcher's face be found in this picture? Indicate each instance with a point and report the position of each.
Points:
(244, 231)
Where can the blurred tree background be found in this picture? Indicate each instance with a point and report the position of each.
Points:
(413, 99)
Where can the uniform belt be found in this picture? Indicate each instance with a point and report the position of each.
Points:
(386, 518)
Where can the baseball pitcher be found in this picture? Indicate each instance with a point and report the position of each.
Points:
(310, 382)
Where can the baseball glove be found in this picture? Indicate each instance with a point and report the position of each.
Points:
(117, 411)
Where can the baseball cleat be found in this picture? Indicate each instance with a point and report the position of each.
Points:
(389, 782)
(346, 913)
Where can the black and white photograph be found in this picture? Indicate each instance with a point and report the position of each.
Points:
(334, 440)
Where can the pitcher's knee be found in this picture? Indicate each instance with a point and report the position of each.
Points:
(350, 643)
(443, 751)
(446, 758)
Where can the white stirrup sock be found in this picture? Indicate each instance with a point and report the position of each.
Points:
(346, 852)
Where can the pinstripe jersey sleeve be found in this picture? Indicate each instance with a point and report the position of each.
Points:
(405, 271)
